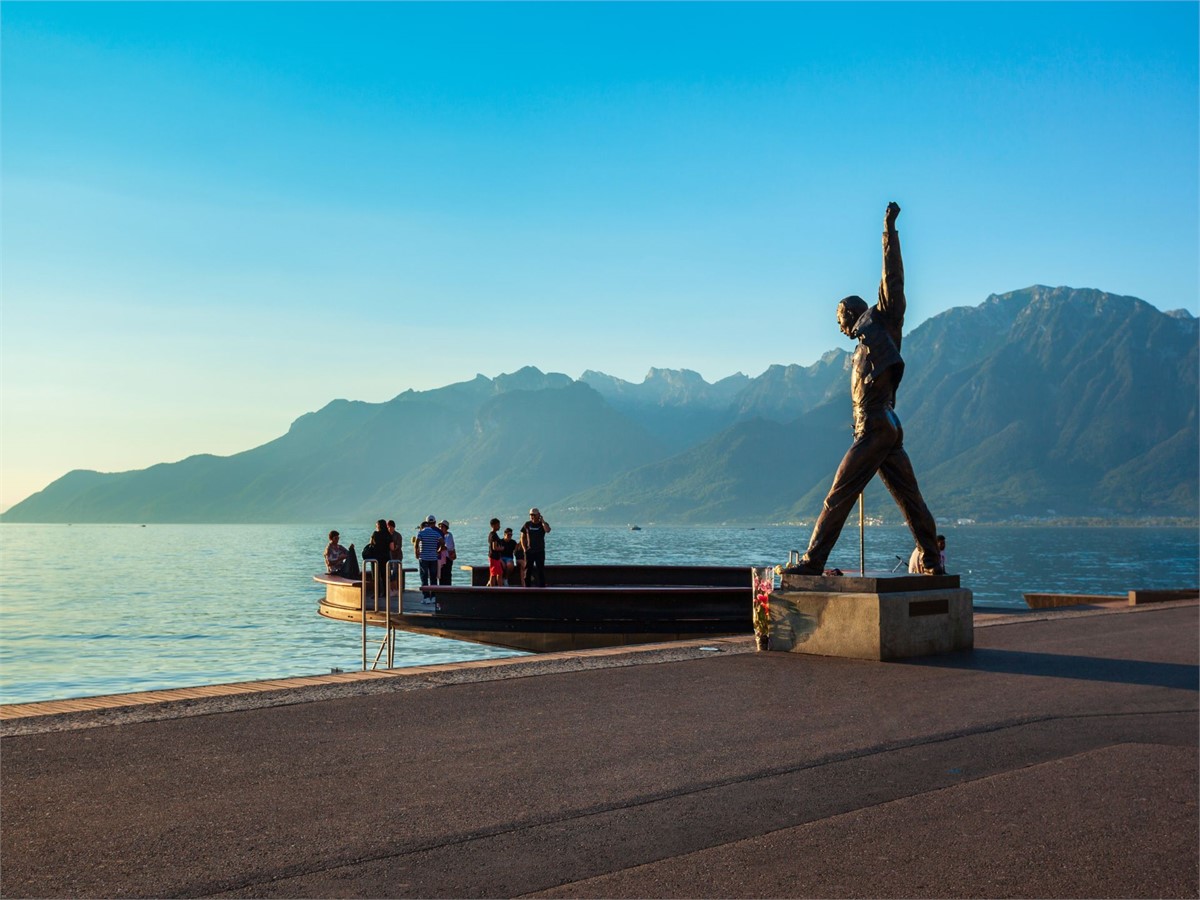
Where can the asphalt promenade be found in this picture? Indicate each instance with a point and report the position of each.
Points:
(1058, 759)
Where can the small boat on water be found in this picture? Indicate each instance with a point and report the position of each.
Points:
(635, 527)
(583, 607)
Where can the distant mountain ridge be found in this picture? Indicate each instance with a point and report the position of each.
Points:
(1039, 402)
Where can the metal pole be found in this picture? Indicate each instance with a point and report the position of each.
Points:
(362, 605)
(379, 653)
(391, 632)
(385, 607)
(862, 536)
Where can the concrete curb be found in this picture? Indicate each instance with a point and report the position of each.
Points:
(150, 706)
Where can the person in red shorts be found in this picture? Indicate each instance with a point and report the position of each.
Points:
(495, 556)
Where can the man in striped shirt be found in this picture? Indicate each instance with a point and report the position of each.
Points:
(429, 547)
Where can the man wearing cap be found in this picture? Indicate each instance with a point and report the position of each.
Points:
(446, 556)
(429, 548)
(533, 539)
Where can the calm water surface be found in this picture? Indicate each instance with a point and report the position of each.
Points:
(97, 609)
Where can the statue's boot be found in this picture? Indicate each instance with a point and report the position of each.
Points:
(805, 567)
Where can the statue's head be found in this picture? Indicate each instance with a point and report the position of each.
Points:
(849, 310)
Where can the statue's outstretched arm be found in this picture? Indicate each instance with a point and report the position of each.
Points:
(891, 287)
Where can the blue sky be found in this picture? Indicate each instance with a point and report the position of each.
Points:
(217, 217)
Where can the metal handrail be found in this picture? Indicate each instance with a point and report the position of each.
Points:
(398, 565)
(362, 604)
(381, 585)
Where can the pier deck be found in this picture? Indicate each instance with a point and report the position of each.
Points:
(1057, 759)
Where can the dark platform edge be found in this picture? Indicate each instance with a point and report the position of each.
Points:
(867, 584)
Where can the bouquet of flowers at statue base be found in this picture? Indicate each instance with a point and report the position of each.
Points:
(764, 583)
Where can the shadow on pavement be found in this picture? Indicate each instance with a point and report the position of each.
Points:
(1057, 665)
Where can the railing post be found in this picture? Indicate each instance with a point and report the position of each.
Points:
(376, 580)
(862, 535)
(380, 577)
(391, 632)
(362, 605)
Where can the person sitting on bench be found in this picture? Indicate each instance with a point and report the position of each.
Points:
(339, 560)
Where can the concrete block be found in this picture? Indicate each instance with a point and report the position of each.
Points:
(1137, 598)
(1053, 601)
(883, 626)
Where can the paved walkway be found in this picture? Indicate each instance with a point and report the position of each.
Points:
(1057, 759)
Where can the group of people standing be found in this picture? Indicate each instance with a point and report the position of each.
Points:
(518, 563)
(510, 561)
(433, 547)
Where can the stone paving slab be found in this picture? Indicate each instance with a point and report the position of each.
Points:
(638, 842)
(1113, 822)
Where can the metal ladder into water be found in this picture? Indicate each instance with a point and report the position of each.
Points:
(381, 586)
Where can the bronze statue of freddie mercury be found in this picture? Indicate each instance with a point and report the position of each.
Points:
(875, 372)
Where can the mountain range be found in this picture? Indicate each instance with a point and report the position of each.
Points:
(1042, 402)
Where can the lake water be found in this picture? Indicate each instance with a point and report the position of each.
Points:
(97, 609)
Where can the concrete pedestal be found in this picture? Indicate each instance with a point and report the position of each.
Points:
(861, 625)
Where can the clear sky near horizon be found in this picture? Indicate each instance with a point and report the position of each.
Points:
(217, 217)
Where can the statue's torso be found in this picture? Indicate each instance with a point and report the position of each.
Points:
(876, 366)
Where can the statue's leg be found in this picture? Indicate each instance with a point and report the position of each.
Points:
(857, 468)
(897, 474)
